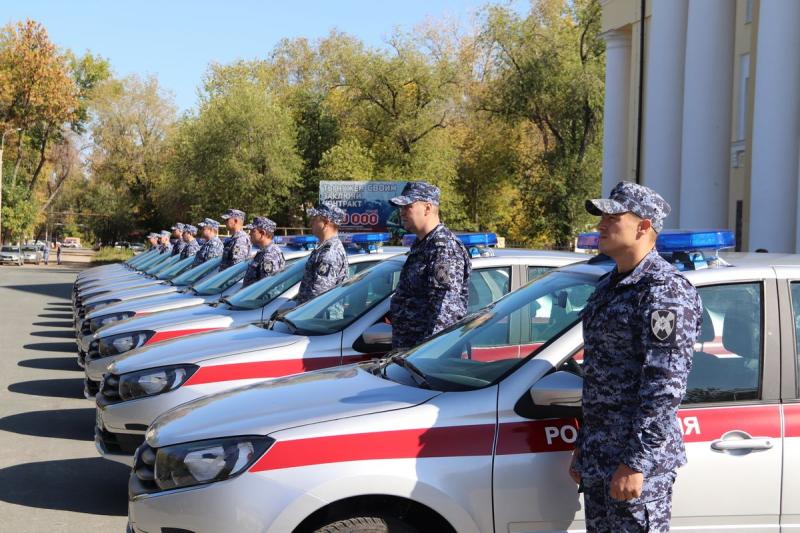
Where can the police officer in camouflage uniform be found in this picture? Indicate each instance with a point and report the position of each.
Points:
(639, 330)
(327, 265)
(269, 259)
(164, 245)
(237, 246)
(433, 290)
(177, 241)
(212, 247)
(190, 243)
(152, 239)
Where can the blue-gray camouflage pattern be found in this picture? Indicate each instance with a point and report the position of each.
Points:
(626, 197)
(164, 248)
(233, 213)
(329, 211)
(326, 267)
(208, 250)
(178, 246)
(236, 249)
(267, 262)
(417, 191)
(639, 332)
(190, 248)
(433, 291)
(649, 513)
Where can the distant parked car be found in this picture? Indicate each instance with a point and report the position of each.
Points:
(71, 242)
(122, 245)
(33, 254)
(137, 247)
(10, 254)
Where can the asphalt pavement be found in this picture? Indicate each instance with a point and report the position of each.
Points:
(51, 477)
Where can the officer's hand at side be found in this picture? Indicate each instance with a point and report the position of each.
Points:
(626, 483)
(573, 473)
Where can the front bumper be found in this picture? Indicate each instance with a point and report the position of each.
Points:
(134, 416)
(117, 447)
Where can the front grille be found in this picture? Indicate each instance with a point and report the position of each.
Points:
(94, 351)
(86, 327)
(143, 475)
(118, 443)
(109, 392)
(92, 387)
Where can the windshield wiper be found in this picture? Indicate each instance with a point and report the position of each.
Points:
(415, 372)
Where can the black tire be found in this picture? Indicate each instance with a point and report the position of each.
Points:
(367, 524)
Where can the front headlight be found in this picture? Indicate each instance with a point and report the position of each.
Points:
(153, 381)
(196, 463)
(94, 306)
(104, 320)
(124, 342)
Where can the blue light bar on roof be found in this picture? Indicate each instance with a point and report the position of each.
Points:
(364, 243)
(469, 239)
(306, 242)
(277, 239)
(675, 240)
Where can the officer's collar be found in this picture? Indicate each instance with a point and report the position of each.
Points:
(419, 242)
(644, 266)
(327, 241)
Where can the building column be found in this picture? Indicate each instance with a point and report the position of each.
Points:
(615, 117)
(776, 130)
(707, 101)
(664, 102)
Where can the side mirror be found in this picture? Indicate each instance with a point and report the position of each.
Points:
(558, 395)
(376, 339)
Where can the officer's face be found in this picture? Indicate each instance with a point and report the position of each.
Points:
(619, 233)
(208, 233)
(230, 223)
(413, 215)
(318, 227)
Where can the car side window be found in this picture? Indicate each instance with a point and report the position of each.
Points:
(796, 313)
(487, 285)
(536, 271)
(728, 351)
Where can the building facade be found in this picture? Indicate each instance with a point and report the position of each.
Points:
(703, 105)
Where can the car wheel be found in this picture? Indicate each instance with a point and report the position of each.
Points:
(367, 524)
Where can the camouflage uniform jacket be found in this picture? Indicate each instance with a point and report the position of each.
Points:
(639, 332)
(178, 246)
(326, 267)
(209, 250)
(267, 262)
(191, 248)
(433, 291)
(164, 248)
(236, 249)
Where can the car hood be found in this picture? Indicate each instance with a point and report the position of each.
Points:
(144, 305)
(140, 281)
(302, 399)
(128, 293)
(159, 321)
(200, 347)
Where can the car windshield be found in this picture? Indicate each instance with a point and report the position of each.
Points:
(341, 306)
(196, 273)
(265, 290)
(488, 344)
(160, 262)
(28, 249)
(222, 280)
(177, 268)
(9, 249)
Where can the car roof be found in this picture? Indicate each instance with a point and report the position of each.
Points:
(759, 259)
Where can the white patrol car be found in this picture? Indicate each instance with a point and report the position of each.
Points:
(346, 324)
(253, 304)
(472, 431)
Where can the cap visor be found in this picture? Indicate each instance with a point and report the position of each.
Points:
(604, 206)
(401, 200)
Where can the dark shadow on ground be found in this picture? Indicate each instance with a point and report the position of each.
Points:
(54, 334)
(62, 324)
(53, 347)
(57, 309)
(56, 315)
(93, 486)
(52, 363)
(73, 424)
(56, 290)
(55, 388)
(59, 303)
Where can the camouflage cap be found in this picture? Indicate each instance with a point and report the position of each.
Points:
(262, 223)
(233, 213)
(328, 210)
(153, 236)
(188, 228)
(417, 191)
(165, 233)
(208, 222)
(177, 226)
(630, 197)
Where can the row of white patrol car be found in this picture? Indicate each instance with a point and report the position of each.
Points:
(471, 430)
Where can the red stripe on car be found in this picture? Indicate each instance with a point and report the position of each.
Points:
(453, 441)
(791, 419)
(268, 369)
(161, 336)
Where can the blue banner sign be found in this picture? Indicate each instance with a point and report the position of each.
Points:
(365, 202)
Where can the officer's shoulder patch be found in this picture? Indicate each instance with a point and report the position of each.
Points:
(441, 273)
(662, 324)
(324, 268)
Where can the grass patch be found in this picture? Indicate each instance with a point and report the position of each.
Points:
(108, 255)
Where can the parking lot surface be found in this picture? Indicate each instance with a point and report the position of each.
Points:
(51, 477)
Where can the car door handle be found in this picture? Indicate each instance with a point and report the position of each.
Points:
(741, 441)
